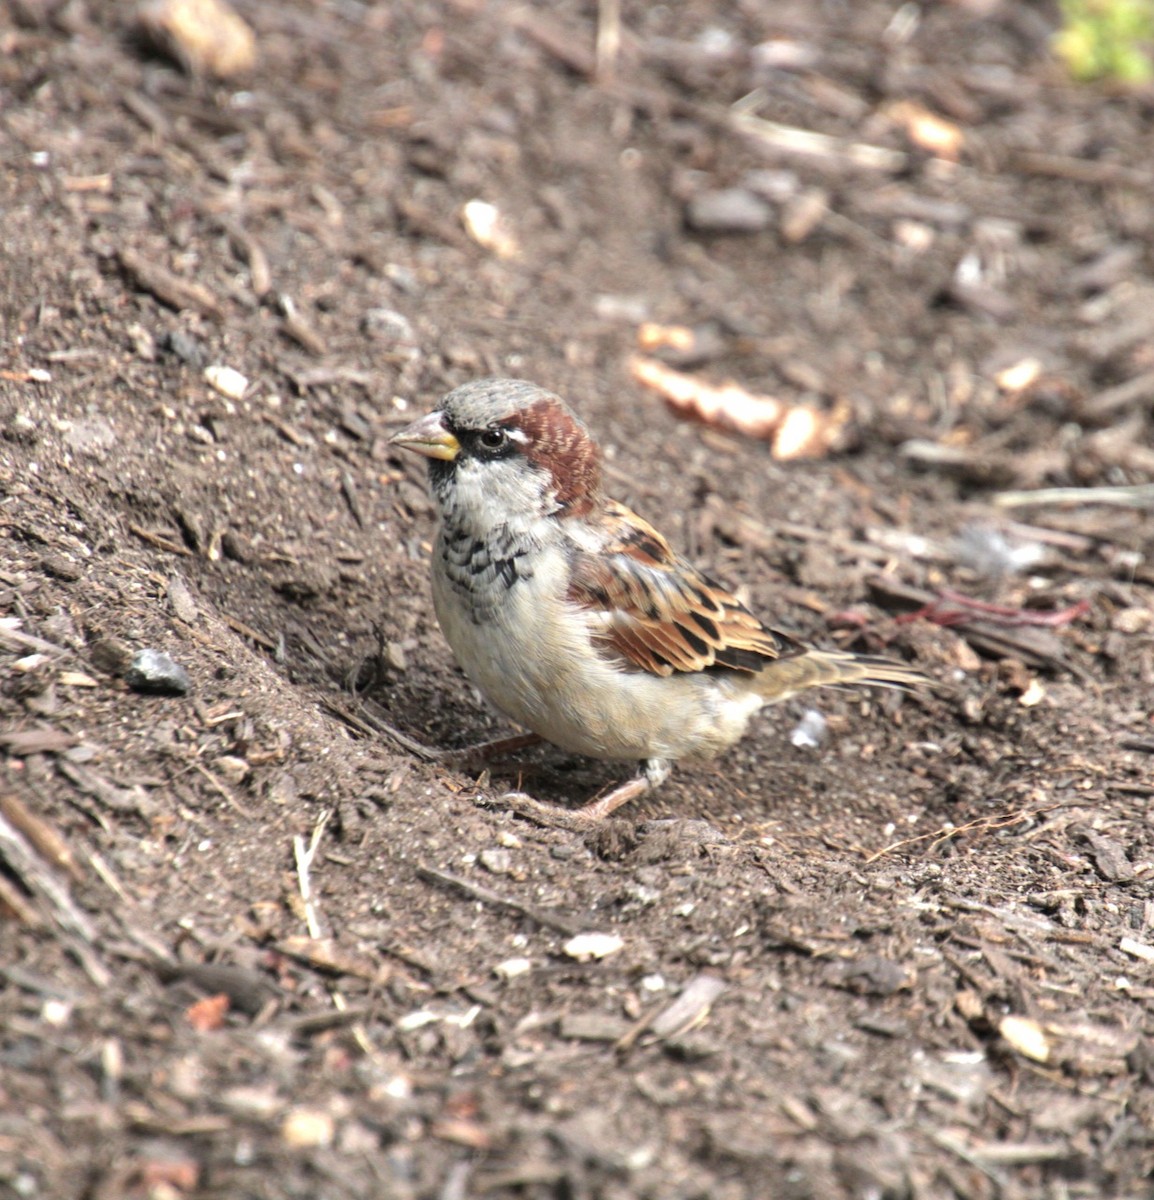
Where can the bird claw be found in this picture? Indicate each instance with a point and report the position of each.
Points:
(548, 816)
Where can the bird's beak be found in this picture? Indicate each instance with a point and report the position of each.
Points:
(429, 436)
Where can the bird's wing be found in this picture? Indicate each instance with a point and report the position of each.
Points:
(652, 609)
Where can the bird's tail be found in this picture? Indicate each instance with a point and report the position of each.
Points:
(790, 674)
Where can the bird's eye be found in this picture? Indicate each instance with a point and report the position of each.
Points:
(494, 438)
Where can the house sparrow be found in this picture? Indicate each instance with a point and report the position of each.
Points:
(574, 616)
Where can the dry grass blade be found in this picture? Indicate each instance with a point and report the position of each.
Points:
(940, 836)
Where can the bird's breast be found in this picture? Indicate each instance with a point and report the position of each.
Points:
(505, 613)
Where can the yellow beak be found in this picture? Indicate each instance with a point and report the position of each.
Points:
(428, 436)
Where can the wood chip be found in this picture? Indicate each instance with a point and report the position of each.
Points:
(77, 679)
(793, 431)
(1137, 949)
(691, 1008)
(170, 289)
(1027, 1037)
(45, 840)
(324, 954)
(299, 330)
(927, 130)
(207, 37)
(306, 1127)
(22, 742)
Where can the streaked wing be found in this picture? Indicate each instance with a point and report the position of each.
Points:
(654, 610)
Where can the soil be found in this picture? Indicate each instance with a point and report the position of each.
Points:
(255, 945)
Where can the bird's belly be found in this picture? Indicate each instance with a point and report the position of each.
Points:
(544, 674)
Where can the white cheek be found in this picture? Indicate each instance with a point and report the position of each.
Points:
(507, 493)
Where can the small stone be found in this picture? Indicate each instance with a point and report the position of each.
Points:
(308, 1127)
(770, 184)
(228, 381)
(91, 436)
(389, 326)
(488, 227)
(728, 210)
(511, 968)
(592, 1027)
(257, 1101)
(61, 567)
(803, 214)
(497, 861)
(395, 657)
(186, 347)
(233, 769)
(158, 673)
(587, 946)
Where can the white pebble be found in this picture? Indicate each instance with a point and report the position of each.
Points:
(586, 946)
(226, 380)
(810, 731)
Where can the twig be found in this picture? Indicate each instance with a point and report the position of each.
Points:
(367, 722)
(353, 499)
(247, 631)
(476, 891)
(171, 289)
(1138, 495)
(73, 927)
(304, 856)
(951, 608)
(249, 250)
(554, 40)
(162, 543)
(222, 791)
(807, 144)
(298, 329)
(46, 840)
(13, 638)
(608, 38)
(1081, 170)
(1122, 395)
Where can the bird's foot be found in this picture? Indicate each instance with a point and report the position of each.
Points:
(467, 756)
(548, 816)
(654, 772)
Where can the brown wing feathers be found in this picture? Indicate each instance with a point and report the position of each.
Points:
(662, 615)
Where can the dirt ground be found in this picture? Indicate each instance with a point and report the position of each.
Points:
(254, 947)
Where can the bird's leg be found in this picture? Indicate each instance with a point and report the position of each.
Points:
(476, 755)
(485, 752)
(654, 772)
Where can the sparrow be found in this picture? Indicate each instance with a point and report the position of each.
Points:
(574, 616)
